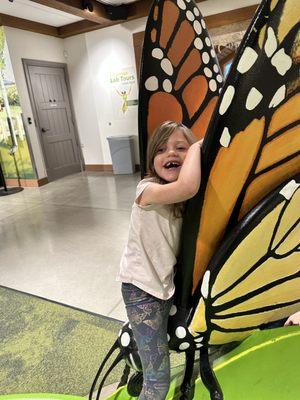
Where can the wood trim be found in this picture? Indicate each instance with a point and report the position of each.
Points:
(230, 17)
(141, 8)
(74, 7)
(76, 28)
(98, 167)
(138, 39)
(26, 25)
(43, 181)
(27, 182)
(104, 167)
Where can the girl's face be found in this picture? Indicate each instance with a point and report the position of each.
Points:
(170, 156)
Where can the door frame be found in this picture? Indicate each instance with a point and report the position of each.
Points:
(50, 64)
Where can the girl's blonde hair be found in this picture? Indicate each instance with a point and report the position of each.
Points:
(159, 137)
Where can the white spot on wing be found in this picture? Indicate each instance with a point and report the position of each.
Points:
(271, 42)
(205, 284)
(281, 61)
(225, 137)
(203, 23)
(212, 85)
(205, 57)
(289, 189)
(213, 53)
(125, 339)
(253, 99)
(219, 78)
(183, 346)
(247, 60)
(207, 41)
(173, 310)
(208, 72)
(198, 43)
(180, 332)
(151, 83)
(278, 97)
(197, 27)
(157, 53)
(190, 16)
(227, 99)
(198, 339)
(167, 86)
(181, 4)
(216, 68)
(196, 11)
(167, 66)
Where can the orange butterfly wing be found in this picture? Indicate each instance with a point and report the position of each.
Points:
(180, 75)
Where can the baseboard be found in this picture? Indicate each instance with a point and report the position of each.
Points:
(98, 167)
(104, 167)
(26, 182)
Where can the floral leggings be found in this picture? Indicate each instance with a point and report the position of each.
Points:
(148, 317)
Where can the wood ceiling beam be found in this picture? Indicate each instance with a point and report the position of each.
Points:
(25, 24)
(76, 28)
(230, 17)
(74, 7)
(141, 9)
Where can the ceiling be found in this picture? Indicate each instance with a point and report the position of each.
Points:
(33, 11)
(64, 18)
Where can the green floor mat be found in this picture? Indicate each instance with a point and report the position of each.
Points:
(47, 347)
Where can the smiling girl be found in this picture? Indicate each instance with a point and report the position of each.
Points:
(147, 264)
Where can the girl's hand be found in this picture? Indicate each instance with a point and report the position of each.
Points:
(293, 319)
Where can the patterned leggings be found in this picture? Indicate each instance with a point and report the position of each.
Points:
(148, 317)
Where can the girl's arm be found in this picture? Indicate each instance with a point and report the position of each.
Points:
(186, 186)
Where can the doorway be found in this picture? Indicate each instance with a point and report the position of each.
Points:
(50, 98)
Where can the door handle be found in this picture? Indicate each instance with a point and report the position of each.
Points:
(44, 130)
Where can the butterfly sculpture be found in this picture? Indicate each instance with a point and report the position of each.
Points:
(238, 268)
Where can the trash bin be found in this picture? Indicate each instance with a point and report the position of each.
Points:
(122, 154)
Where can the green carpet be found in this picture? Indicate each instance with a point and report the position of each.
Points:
(51, 348)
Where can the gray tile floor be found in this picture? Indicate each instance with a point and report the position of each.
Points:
(64, 241)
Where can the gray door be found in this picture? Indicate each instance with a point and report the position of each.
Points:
(54, 120)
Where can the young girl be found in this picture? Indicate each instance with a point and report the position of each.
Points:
(147, 265)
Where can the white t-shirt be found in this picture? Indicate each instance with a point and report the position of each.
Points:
(151, 252)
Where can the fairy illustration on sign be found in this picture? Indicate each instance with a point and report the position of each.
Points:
(124, 95)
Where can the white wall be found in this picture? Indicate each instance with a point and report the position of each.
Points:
(24, 44)
(81, 82)
(91, 58)
(110, 50)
